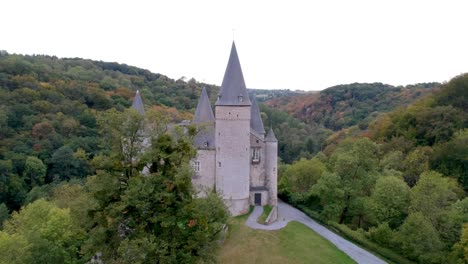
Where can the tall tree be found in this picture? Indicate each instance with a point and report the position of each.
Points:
(152, 218)
(354, 167)
(389, 200)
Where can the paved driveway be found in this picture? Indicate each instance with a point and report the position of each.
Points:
(288, 213)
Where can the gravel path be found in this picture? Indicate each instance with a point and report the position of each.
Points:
(287, 213)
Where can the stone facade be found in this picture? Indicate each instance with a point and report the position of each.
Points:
(241, 164)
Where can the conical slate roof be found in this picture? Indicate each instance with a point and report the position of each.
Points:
(204, 113)
(233, 90)
(138, 103)
(271, 136)
(256, 122)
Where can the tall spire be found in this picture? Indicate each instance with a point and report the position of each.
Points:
(138, 103)
(233, 90)
(204, 113)
(256, 122)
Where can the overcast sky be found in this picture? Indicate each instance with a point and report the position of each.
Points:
(307, 45)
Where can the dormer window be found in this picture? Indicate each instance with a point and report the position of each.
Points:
(205, 144)
(241, 98)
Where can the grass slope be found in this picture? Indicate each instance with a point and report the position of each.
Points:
(295, 243)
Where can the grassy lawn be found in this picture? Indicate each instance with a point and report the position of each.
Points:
(264, 216)
(295, 243)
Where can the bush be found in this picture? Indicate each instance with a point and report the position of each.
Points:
(381, 235)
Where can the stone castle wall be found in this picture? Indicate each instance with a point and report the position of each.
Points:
(232, 133)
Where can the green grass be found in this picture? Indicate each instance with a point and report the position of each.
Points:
(295, 243)
(266, 211)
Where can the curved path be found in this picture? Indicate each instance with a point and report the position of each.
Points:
(287, 213)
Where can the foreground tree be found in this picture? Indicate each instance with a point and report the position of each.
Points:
(152, 218)
(40, 233)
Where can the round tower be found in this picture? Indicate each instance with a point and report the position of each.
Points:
(271, 166)
(232, 136)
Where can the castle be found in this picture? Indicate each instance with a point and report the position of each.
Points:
(234, 156)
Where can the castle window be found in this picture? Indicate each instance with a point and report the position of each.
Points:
(196, 165)
(255, 155)
(219, 164)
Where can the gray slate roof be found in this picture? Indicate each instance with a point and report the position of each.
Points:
(138, 103)
(204, 113)
(205, 138)
(256, 122)
(233, 90)
(271, 136)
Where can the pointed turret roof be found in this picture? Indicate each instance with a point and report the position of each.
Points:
(138, 103)
(256, 122)
(233, 90)
(204, 113)
(271, 136)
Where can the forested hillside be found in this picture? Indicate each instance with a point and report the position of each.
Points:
(79, 187)
(400, 188)
(346, 105)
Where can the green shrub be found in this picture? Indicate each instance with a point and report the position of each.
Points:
(381, 234)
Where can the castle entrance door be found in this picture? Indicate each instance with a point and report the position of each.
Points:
(258, 199)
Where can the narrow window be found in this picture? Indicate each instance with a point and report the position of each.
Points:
(196, 165)
(255, 155)
(219, 164)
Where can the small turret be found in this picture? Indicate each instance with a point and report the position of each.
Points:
(271, 136)
(138, 103)
(204, 119)
(204, 113)
(256, 122)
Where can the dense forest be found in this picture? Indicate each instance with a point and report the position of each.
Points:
(343, 106)
(400, 188)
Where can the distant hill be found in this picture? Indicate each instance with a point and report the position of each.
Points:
(346, 105)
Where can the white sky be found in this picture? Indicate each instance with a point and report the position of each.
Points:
(307, 45)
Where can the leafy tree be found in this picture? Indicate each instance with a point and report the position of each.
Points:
(40, 233)
(415, 163)
(125, 136)
(155, 217)
(451, 158)
(34, 171)
(354, 167)
(303, 174)
(389, 201)
(63, 164)
(432, 195)
(418, 240)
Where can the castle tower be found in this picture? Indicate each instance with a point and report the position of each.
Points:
(232, 135)
(204, 141)
(272, 166)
